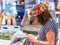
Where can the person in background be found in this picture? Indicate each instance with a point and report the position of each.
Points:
(10, 11)
(47, 34)
(0, 12)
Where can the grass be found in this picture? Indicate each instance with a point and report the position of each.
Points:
(4, 37)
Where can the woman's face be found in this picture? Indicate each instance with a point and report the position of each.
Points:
(35, 20)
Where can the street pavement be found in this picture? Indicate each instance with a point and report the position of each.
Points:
(4, 42)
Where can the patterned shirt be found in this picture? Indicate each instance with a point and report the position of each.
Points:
(49, 26)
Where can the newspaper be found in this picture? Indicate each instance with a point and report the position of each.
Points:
(19, 38)
(19, 34)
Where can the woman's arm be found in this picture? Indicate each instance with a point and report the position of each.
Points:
(50, 36)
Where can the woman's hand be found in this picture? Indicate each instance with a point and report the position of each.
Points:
(30, 37)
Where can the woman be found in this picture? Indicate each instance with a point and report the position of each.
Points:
(47, 35)
(10, 11)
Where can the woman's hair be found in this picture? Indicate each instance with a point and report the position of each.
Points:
(44, 17)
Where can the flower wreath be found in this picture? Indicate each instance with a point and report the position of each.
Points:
(39, 9)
